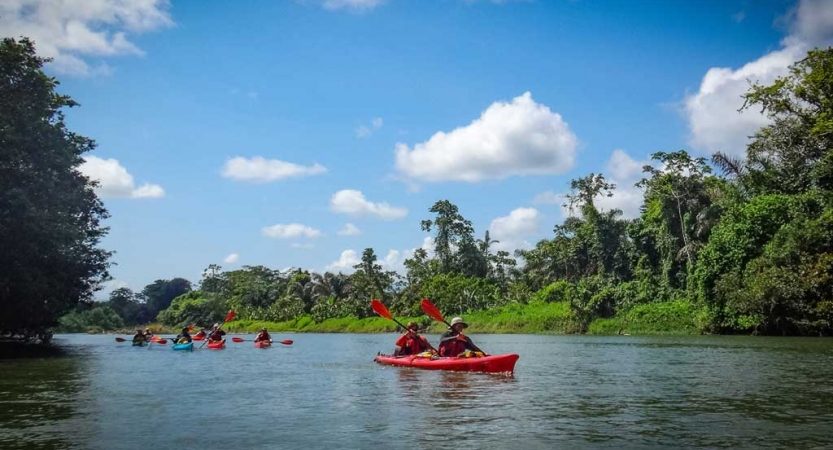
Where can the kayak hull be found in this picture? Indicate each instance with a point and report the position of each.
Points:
(263, 344)
(217, 345)
(187, 347)
(198, 338)
(489, 364)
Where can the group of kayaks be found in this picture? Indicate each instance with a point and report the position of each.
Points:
(474, 363)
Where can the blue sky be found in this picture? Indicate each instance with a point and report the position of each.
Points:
(259, 129)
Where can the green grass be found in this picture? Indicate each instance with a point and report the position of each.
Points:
(535, 318)
(665, 318)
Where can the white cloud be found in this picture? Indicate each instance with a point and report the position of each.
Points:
(364, 131)
(232, 258)
(395, 259)
(512, 230)
(345, 262)
(350, 230)
(71, 30)
(292, 230)
(354, 5)
(349, 201)
(621, 170)
(518, 138)
(259, 169)
(115, 181)
(620, 166)
(712, 112)
(549, 198)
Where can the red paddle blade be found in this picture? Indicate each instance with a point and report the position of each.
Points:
(431, 310)
(190, 328)
(380, 309)
(230, 316)
(287, 342)
(237, 339)
(118, 339)
(162, 341)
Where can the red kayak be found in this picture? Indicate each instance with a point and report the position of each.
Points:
(491, 363)
(217, 344)
(198, 338)
(263, 344)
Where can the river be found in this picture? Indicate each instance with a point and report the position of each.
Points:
(325, 391)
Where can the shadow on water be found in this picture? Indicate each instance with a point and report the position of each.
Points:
(18, 350)
(39, 390)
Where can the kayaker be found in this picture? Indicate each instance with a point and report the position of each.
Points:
(148, 334)
(453, 342)
(263, 336)
(200, 334)
(411, 343)
(216, 333)
(184, 337)
(139, 338)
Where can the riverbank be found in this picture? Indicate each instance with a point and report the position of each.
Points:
(669, 318)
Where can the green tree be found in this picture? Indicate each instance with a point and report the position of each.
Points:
(159, 294)
(452, 230)
(50, 217)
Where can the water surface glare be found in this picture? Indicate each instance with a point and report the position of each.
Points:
(324, 391)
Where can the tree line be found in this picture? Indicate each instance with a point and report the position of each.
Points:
(746, 243)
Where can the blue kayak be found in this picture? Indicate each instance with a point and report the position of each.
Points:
(189, 346)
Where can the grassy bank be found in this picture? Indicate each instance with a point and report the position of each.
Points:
(665, 318)
(536, 318)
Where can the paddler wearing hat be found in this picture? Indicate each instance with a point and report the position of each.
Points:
(453, 342)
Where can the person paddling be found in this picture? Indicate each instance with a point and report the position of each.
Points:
(148, 334)
(263, 336)
(184, 337)
(200, 334)
(411, 343)
(139, 338)
(453, 342)
(216, 333)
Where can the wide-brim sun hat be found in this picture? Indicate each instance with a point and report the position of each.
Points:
(457, 320)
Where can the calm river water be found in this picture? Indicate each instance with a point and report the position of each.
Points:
(325, 391)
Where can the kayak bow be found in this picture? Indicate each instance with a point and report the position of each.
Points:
(189, 346)
(217, 345)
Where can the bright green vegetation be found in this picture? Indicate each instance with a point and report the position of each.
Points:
(746, 250)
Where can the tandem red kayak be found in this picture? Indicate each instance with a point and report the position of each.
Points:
(217, 344)
(491, 364)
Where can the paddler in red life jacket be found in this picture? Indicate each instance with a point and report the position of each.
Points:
(263, 336)
(200, 334)
(216, 333)
(453, 342)
(411, 343)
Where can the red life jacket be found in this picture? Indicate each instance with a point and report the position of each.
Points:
(263, 337)
(451, 346)
(411, 345)
(217, 335)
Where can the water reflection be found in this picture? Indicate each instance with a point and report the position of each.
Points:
(38, 398)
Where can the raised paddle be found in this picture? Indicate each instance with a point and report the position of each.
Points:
(229, 317)
(239, 340)
(435, 314)
(382, 310)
